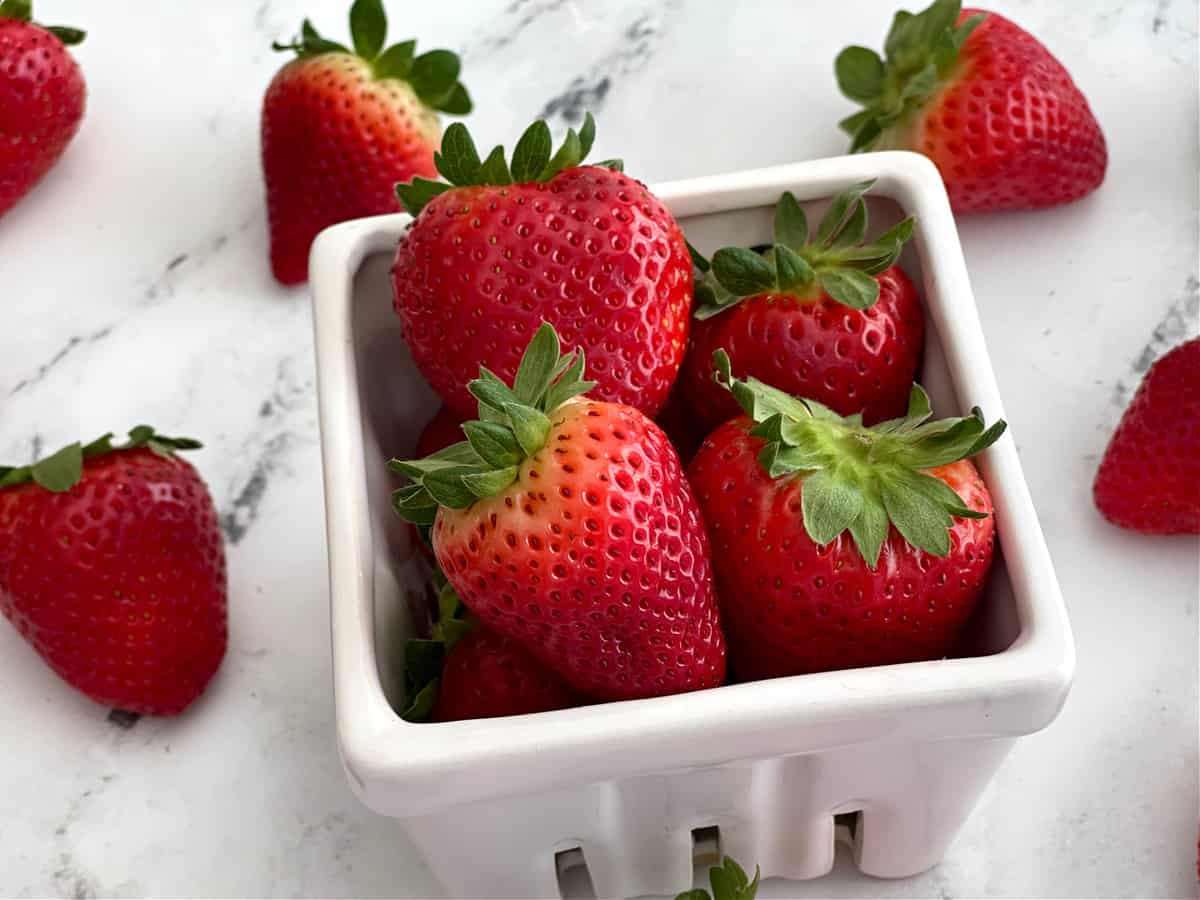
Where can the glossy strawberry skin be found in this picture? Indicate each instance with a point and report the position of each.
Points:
(335, 142)
(595, 560)
(791, 607)
(119, 583)
(850, 360)
(42, 100)
(1012, 131)
(487, 675)
(591, 251)
(1149, 479)
(440, 432)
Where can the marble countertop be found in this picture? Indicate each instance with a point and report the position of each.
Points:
(136, 289)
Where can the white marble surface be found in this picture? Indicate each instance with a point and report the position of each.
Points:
(135, 287)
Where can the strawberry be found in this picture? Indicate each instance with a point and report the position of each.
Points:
(440, 432)
(837, 545)
(42, 98)
(831, 318)
(341, 127)
(465, 671)
(1149, 479)
(113, 569)
(567, 525)
(494, 252)
(982, 98)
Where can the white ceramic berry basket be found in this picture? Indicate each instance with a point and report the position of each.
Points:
(890, 759)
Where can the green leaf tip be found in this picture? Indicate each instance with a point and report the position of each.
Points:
(533, 161)
(513, 425)
(728, 882)
(433, 75)
(62, 470)
(862, 479)
(920, 53)
(837, 258)
(424, 658)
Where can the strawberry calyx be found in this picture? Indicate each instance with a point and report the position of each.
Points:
(433, 75)
(459, 164)
(424, 658)
(62, 470)
(858, 478)
(513, 424)
(22, 11)
(836, 259)
(922, 53)
(729, 881)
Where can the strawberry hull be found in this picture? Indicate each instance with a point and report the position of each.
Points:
(780, 768)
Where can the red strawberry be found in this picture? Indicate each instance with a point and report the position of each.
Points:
(440, 432)
(465, 671)
(982, 98)
(1149, 479)
(568, 526)
(833, 318)
(42, 97)
(838, 546)
(341, 127)
(680, 425)
(487, 675)
(585, 248)
(112, 567)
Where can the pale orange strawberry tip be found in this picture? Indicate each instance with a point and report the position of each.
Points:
(63, 469)
(22, 11)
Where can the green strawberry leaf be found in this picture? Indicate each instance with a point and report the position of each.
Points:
(433, 75)
(69, 36)
(850, 287)
(21, 10)
(532, 153)
(859, 72)
(368, 27)
(396, 61)
(742, 271)
(458, 160)
(414, 195)
(791, 226)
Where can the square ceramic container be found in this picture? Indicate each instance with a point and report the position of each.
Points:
(890, 759)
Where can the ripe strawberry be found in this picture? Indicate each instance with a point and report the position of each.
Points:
(836, 545)
(113, 569)
(568, 526)
(440, 432)
(465, 671)
(585, 248)
(42, 97)
(833, 318)
(341, 127)
(1149, 479)
(983, 99)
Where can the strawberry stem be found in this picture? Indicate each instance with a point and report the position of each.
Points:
(860, 479)
(921, 49)
(459, 164)
(22, 11)
(513, 425)
(62, 470)
(836, 258)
